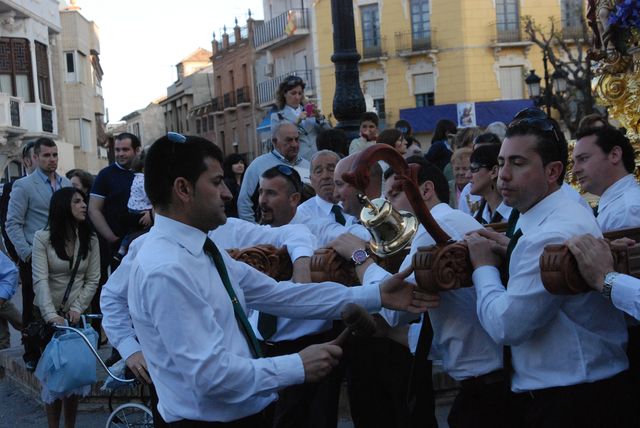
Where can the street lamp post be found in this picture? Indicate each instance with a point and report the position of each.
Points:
(348, 100)
(546, 95)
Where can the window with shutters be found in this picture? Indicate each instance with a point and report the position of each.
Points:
(508, 21)
(15, 68)
(370, 31)
(424, 89)
(420, 25)
(572, 13)
(511, 83)
(42, 68)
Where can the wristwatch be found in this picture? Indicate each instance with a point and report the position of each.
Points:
(359, 256)
(608, 283)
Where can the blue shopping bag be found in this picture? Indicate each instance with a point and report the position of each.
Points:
(67, 362)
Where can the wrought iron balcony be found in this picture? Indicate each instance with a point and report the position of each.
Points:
(267, 89)
(47, 119)
(242, 95)
(508, 35)
(372, 48)
(229, 100)
(291, 23)
(408, 42)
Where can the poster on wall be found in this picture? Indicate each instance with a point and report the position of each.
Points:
(466, 115)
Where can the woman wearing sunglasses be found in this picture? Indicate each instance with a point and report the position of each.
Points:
(293, 108)
(483, 176)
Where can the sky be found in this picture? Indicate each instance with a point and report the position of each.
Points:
(141, 41)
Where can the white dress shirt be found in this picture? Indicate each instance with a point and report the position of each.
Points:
(325, 230)
(235, 233)
(459, 340)
(555, 340)
(466, 199)
(619, 205)
(198, 357)
(317, 207)
(625, 294)
(573, 194)
(504, 210)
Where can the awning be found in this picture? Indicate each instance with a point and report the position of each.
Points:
(424, 119)
(265, 125)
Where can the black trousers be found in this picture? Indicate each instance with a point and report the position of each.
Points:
(259, 420)
(601, 404)
(309, 405)
(378, 372)
(31, 348)
(480, 404)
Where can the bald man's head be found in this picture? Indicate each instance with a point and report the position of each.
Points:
(347, 194)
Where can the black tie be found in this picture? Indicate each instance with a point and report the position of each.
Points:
(213, 252)
(506, 350)
(511, 223)
(337, 212)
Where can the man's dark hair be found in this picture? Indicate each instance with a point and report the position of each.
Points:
(369, 116)
(487, 138)
(27, 148)
(333, 139)
(590, 121)
(290, 175)
(135, 141)
(607, 137)
(86, 179)
(167, 160)
(551, 145)
(42, 141)
(428, 172)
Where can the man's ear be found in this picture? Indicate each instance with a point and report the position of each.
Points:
(427, 189)
(182, 189)
(553, 171)
(295, 198)
(493, 173)
(615, 155)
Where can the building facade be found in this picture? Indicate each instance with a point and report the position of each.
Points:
(81, 101)
(235, 105)
(421, 53)
(193, 87)
(147, 123)
(28, 34)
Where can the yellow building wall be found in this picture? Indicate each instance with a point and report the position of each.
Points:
(467, 60)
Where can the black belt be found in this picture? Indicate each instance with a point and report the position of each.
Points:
(483, 380)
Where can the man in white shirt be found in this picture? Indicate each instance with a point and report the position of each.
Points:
(467, 352)
(187, 300)
(567, 352)
(325, 204)
(347, 194)
(603, 163)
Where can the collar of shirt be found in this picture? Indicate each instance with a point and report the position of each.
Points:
(46, 180)
(440, 210)
(296, 110)
(324, 206)
(284, 160)
(535, 215)
(121, 167)
(189, 237)
(616, 190)
(504, 210)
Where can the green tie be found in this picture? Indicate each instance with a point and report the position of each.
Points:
(267, 325)
(337, 212)
(511, 223)
(213, 252)
(512, 244)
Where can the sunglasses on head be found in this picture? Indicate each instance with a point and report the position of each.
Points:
(543, 124)
(292, 175)
(293, 81)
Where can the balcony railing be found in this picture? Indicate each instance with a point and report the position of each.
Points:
(280, 26)
(267, 89)
(47, 119)
(229, 99)
(242, 95)
(511, 35)
(407, 42)
(11, 111)
(573, 33)
(216, 104)
(372, 48)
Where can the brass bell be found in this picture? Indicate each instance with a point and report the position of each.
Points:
(391, 230)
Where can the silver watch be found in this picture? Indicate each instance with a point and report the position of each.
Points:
(608, 283)
(359, 256)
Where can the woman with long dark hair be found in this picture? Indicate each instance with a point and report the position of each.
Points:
(233, 168)
(65, 252)
(483, 176)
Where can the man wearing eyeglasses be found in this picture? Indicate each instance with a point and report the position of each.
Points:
(566, 354)
(188, 301)
(286, 146)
